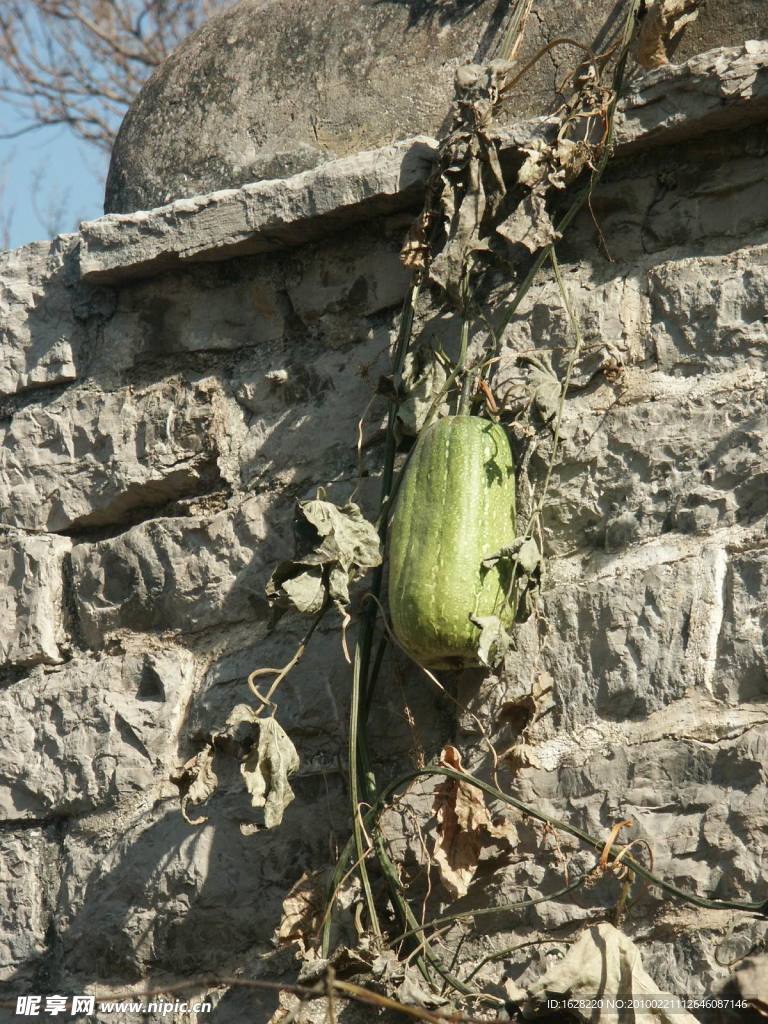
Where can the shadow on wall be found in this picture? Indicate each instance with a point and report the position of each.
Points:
(447, 12)
(190, 902)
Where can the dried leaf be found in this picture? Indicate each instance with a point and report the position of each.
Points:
(415, 252)
(536, 165)
(267, 768)
(494, 640)
(338, 545)
(303, 909)
(603, 960)
(463, 822)
(347, 536)
(529, 224)
(662, 22)
(571, 156)
(412, 992)
(464, 203)
(306, 592)
(529, 556)
(544, 385)
(197, 782)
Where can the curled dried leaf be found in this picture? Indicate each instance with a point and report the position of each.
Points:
(336, 545)
(494, 640)
(302, 915)
(663, 20)
(197, 782)
(464, 827)
(267, 768)
(529, 224)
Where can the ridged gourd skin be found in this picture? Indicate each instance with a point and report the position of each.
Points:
(455, 507)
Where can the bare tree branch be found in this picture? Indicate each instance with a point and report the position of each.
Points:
(81, 62)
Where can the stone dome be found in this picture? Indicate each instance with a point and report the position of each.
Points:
(269, 88)
(273, 87)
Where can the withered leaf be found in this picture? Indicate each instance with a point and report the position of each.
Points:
(339, 546)
(603, 959)
(302, 912)
(494, 640)
(267, 768)
(543, 385)
(197, 781)
(413, 992)
(529, 224)
(537, 164)
(306, 592)
(463, 823)
(529, 556)
(664, 20)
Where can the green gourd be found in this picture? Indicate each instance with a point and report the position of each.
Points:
(455, 507)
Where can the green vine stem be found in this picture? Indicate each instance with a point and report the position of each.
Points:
(613, 854)
(357, 827)
(362, 781)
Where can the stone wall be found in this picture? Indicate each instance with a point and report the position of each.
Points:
(173, 380)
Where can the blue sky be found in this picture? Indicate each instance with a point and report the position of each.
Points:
(69, 176)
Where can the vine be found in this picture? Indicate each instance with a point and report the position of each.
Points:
(472, 219)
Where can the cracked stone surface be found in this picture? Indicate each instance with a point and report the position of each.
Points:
(667, 107)
(91, 734)
(26, 882)
(253, 70)
(32, 612)
(89, 458)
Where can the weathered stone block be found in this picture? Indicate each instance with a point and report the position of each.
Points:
(26, 859)
(183, 574)
(40, 338)
(258, 217)
(741, 672)
(625, 644)
(307, 406)
(706, 194)
(363, 278)
(654, 454)
(710, 311)
(213, 308)
(700, 805)
(158, 894)
(91, 734)
(610, 303)
(31, 598)
(87, 458)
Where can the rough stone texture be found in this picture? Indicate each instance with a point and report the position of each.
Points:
(284, 114)
(26, 881)
(259, 217)
(39, 335)
(199, 403)
(86, 458)
(91, 735)
(31, 598)
(186, 574)
(386, 72)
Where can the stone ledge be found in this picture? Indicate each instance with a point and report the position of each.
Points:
(258, 218)
(723, 88)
